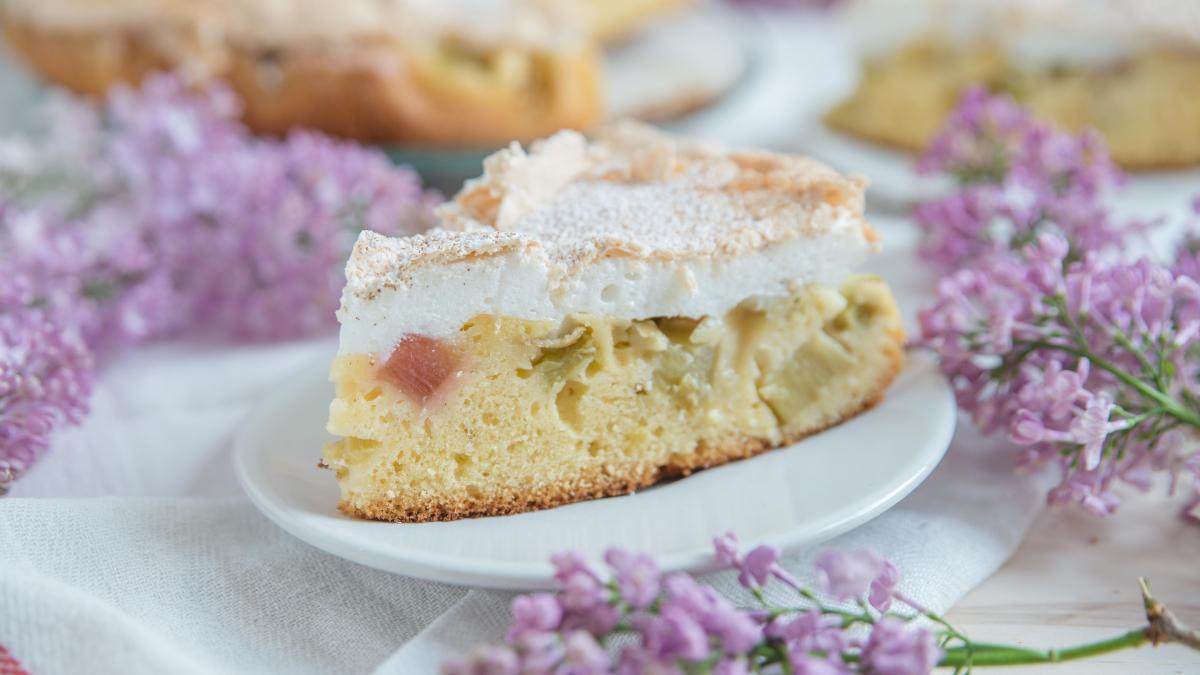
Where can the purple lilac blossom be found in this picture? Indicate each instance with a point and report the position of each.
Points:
(1034, 374)
(847, 574)
(46, 375)
(897, 648)
(1018, 178)
(157, 213)
(636, 576)
(675, 624)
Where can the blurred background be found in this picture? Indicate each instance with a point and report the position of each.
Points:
(438, 84)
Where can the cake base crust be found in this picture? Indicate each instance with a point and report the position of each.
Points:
(610, 484)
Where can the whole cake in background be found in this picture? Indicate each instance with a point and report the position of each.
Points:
(440, 72)
(590, 318)
(1128, 68)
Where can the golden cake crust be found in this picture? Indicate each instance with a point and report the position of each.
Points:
(629, 479)
(366, 88)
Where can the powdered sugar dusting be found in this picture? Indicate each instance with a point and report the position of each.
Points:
(379, 262)
(635, 224)
(638, 192)
(592, 219)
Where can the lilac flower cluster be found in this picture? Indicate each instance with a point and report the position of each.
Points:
(1086, 365)
(637, 621)
(45, 377)
(1187, 257)
(158, 213)
(1018, 177)
(1086, 361)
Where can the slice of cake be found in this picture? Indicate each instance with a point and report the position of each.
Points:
(592, 318)
(442, 72)
(1128, 70)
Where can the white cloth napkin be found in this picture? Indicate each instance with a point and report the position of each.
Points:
(129, 548)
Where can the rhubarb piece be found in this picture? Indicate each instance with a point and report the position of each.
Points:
(420, 366)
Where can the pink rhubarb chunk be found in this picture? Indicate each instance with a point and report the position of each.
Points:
(420, 366)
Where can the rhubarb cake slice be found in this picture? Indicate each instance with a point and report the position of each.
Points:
(590, 318)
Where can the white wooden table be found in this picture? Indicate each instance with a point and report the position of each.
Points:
(1074, 580)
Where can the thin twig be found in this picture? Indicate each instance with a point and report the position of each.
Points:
(1164, 626)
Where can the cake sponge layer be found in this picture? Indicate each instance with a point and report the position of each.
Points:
(543, 413)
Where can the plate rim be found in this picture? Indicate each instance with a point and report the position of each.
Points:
(509, 575)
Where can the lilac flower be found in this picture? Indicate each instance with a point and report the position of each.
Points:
(485, 661)
(540, 652)
(1037, 301)
(1101, 356)
(1019, 178)
(847, 574)
(726, 549)
(45, 378)
(883, 587)
(731, 666)
(1026, 428)
(806, 664)
(673, 634)
(584, 597)
(639, 661)
(736, 630)
(758, 565)
(1191, 510)
(810, 631)
(537, 612)
(681, 631)
(1187, 255)
(896, 648)
(636, 576)
(158, 213)
(687, 626)
(1092, 427)
(1089, 489)
(582, 655)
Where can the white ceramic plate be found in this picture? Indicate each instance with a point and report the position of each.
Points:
(791, 497)
(676, 65)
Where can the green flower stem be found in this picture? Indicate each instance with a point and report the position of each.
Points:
(1152, 372)
(1169, 405)
(978, 654)
(934, 617)
(1161, 628)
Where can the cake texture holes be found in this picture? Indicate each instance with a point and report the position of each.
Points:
(462, 464)
(568, 403)
(610, 293)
